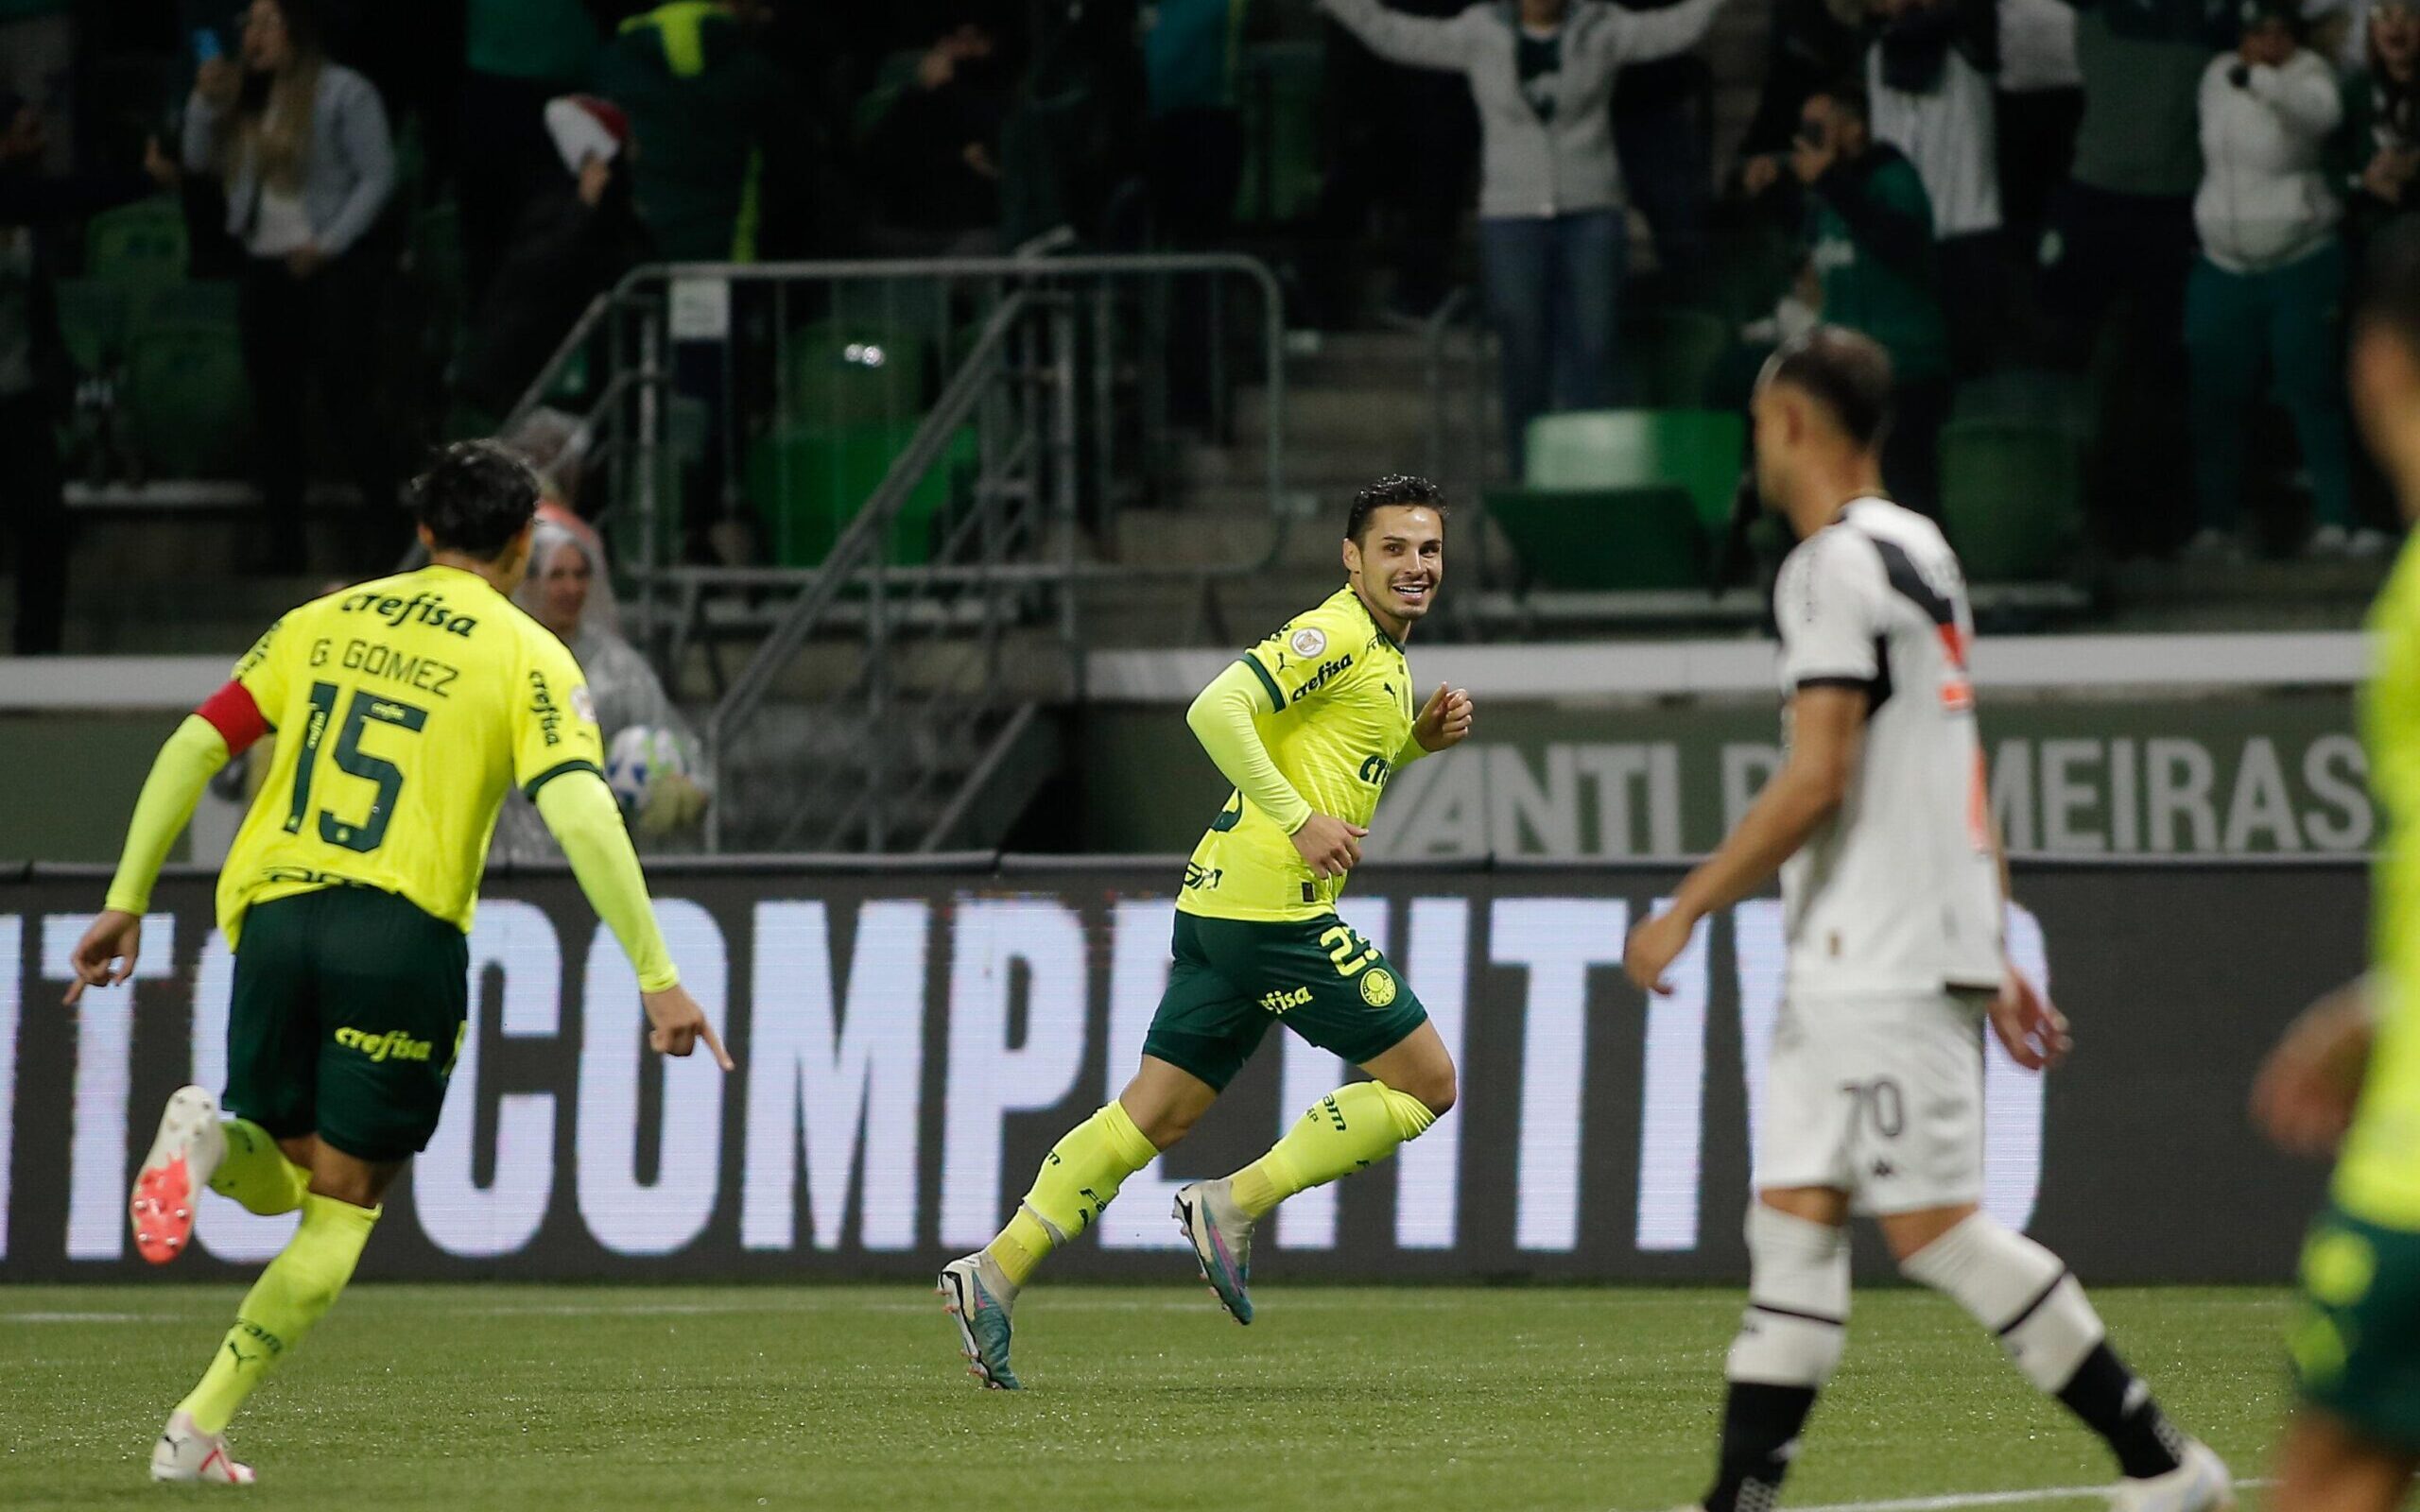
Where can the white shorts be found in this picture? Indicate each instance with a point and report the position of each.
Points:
(1878, 1096)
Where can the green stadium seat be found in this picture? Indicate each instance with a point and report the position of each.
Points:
(1698, 450)
(141, 243)
(188, 411)
(1673, 355)
(844, 372)
(1604, 539)
(2011, 495)
(92, 315)
(196, 302)
(809, 482)
(2027, 395)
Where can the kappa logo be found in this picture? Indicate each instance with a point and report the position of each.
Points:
(1280, 1001)
(1378, 987)
(1309, 641)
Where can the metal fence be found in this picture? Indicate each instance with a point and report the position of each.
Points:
(868, 502)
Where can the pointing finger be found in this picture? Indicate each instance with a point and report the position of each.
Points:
(714, 1042)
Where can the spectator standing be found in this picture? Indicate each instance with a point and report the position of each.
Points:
(928, 143)
(38, 66)
(302, 146)
(1661, 112)
(1928, 76)
(1813, 44)
(2121, 243)
(1553, 235)
(2039, 106)
(2266, 290)
(34, 372)
(1870, 268)
(2378, 146)
(563, 568)
(573, 241)
(1193, 166)
(520, 55)
(708, 104)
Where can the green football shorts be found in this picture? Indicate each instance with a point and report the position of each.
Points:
(1234, 978)
(2354, 1339)
(347, 1014)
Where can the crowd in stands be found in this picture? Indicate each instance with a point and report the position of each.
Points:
(2161, 194)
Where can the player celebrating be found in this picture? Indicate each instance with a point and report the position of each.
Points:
(405, 708)
(1894, 891)
(2355, 1056)
(1307, 724)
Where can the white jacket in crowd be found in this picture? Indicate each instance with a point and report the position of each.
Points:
(2265, 199)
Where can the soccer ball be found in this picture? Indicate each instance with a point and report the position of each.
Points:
(638, 756)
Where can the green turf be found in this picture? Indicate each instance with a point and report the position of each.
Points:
(1591, 1401)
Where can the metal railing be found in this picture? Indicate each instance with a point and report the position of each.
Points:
(941, 460)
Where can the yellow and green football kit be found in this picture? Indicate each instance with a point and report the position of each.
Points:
(1313, 719)
(2356, 1338)
(403, 708)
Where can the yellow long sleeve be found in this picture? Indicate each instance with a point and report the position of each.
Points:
(1221, 719)
(579, 810)
(183, 767)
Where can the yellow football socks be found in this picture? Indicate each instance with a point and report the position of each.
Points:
(1078, 1180)
(1349, 1129)
(256, 1173)
(299, 1285)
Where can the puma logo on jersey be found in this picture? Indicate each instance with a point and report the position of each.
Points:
(420, 609)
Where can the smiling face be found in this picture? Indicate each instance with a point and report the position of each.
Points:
(562, 589)
(2395, 36)
(1398, 561)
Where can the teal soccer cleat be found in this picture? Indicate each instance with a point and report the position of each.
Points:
(1220, 1234)
(975, 1293)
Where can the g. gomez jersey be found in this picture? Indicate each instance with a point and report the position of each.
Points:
(404, 707)
(1898, 890)
(1339, 722)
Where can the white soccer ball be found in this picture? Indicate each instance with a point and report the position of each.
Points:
(636, 758)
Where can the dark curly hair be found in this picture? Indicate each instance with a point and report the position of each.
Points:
(475, 497)
(1395, 489)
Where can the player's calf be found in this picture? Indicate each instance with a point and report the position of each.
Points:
(2047, 1327)
(1790, 1342)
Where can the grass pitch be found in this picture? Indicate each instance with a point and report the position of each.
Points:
(463, 1397)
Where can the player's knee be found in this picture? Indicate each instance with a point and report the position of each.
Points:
(2018, 1290)
(1164, 1126)
(1796, 1325)
(1436, 1087)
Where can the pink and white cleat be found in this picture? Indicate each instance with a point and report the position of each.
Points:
(183, 1154)
(186, 1453)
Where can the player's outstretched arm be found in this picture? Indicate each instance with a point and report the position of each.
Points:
(578, 808)
(1827, 726)
(106, 955)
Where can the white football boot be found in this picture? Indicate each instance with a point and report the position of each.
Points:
(2200, 1483)
(183, 1155)
(184, 1452)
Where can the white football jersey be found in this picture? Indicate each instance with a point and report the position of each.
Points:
(1898, 890)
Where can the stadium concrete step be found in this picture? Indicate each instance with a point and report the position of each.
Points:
(1318, 416)
(1393, 362)
(1227, 536)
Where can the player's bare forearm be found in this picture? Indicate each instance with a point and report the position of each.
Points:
(1827, 726)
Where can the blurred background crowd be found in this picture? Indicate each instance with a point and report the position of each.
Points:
(288, 244)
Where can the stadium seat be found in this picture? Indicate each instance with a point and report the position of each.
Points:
(1602, 539)
(188, 411)
(1673, 355)
(846, 371)
(1699, 450)
(2011, 496)
(2027, 395)
(141, 243)
(810, 481)
(92, 315)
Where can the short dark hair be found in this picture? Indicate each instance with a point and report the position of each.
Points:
(1848, 95)
(1397, 490)
(1846, 371)
(475, 497)
(2389, 295)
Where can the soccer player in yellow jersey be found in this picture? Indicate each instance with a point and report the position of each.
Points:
(1307, 724)
(403, 708)
(2350, 1069)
